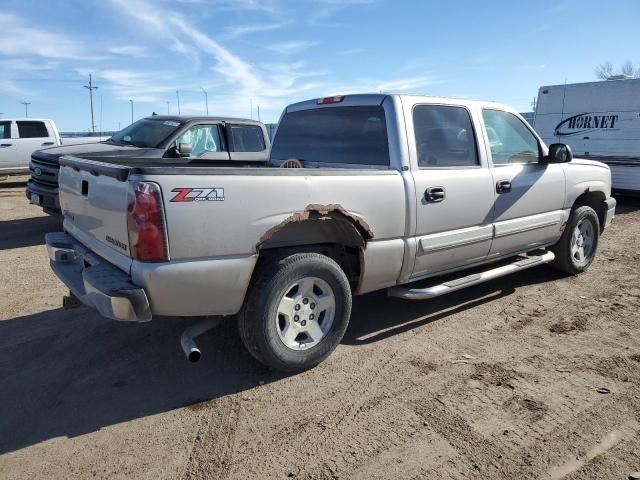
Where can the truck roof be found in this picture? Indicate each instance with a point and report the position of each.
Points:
(25, 119)
(359, 99)
(201, 118)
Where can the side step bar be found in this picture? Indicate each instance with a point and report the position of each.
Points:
(469, 280)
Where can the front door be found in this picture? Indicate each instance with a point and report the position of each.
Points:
(7, 145)
(454, 190)
(529, 192)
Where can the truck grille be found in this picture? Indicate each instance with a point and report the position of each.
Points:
(44, 172)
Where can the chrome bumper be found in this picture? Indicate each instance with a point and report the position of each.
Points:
(95, 282)
(611, 211)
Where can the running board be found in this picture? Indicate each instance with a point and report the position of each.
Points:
(469, 280)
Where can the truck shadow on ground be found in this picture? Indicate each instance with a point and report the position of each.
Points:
(627, 204)
(27, 232)
(70, 372)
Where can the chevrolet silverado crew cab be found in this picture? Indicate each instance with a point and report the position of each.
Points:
(159, 138)
(388, 190)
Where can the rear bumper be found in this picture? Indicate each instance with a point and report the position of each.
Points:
(611, 211)
(95, 282)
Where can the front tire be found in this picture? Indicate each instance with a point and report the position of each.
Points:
(578, 244)
(296, 311)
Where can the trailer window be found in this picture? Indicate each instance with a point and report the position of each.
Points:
(32, 130)
(340, 135)
(509, 138)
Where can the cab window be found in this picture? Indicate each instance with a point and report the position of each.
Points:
(444, 137)
(5, 129)
(247, 138)
(510, 140)
(202, 138)
(32, 129)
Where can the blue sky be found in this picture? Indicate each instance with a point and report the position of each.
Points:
(273, 52)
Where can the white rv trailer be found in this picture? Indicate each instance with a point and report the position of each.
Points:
(599, 121)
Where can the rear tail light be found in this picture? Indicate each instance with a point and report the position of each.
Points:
(146, 223)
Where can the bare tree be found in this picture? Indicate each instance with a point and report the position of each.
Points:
(628, 68)
(604, 70)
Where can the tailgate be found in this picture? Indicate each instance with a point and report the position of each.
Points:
(93, 198)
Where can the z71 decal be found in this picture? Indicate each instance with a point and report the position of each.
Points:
(198, 195)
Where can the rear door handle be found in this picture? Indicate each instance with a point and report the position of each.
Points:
(434, 194)
(46, 143)
(503, 186)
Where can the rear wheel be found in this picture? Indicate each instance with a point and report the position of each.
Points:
(577, 246)
(296, 311)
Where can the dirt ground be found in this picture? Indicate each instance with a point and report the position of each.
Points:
(530, 376)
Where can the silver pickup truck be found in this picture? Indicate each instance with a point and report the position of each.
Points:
(388, 190)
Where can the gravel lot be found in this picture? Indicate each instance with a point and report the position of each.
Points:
(531, 376)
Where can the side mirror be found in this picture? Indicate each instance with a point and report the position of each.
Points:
(184, 149)
(559, 153)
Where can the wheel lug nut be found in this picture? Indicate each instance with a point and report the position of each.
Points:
(303, 323)
(297, 307)
(296, 318)
(313, 305)
(311, 316)
(305, 300)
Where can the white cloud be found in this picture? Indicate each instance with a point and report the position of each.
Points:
(241, 30)
(328, 8)
(137, 86)
(21, 39)
(350, 51)
(289, 48)
(136, 51)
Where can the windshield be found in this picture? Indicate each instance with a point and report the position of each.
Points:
(145, 133)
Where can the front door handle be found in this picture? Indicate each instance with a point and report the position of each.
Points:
(503, 186)
(46, 143)
(5, 144)
(434, 194)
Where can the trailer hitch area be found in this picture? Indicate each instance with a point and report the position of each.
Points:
(187, 341)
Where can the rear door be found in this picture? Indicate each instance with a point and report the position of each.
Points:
(454, 188)
(7, 144)
(32, 135)
(529, 192)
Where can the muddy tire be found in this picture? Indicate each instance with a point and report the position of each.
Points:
(296, 311)
(578, 244)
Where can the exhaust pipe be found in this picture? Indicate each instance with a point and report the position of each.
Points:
(189, 346)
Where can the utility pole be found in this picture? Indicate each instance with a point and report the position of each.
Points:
(26, 108)
(178, 97)
(168, 111)
(131, 110)
(206, 99)
(258, 112)
(251, 108)
(91, 88)
(101, 113)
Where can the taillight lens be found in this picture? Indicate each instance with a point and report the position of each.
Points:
(145, 221)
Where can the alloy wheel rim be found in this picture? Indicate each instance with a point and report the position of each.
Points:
(582, 241)
(305, 313)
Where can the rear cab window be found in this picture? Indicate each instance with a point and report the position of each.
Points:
(345, 135)
(32, 129)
